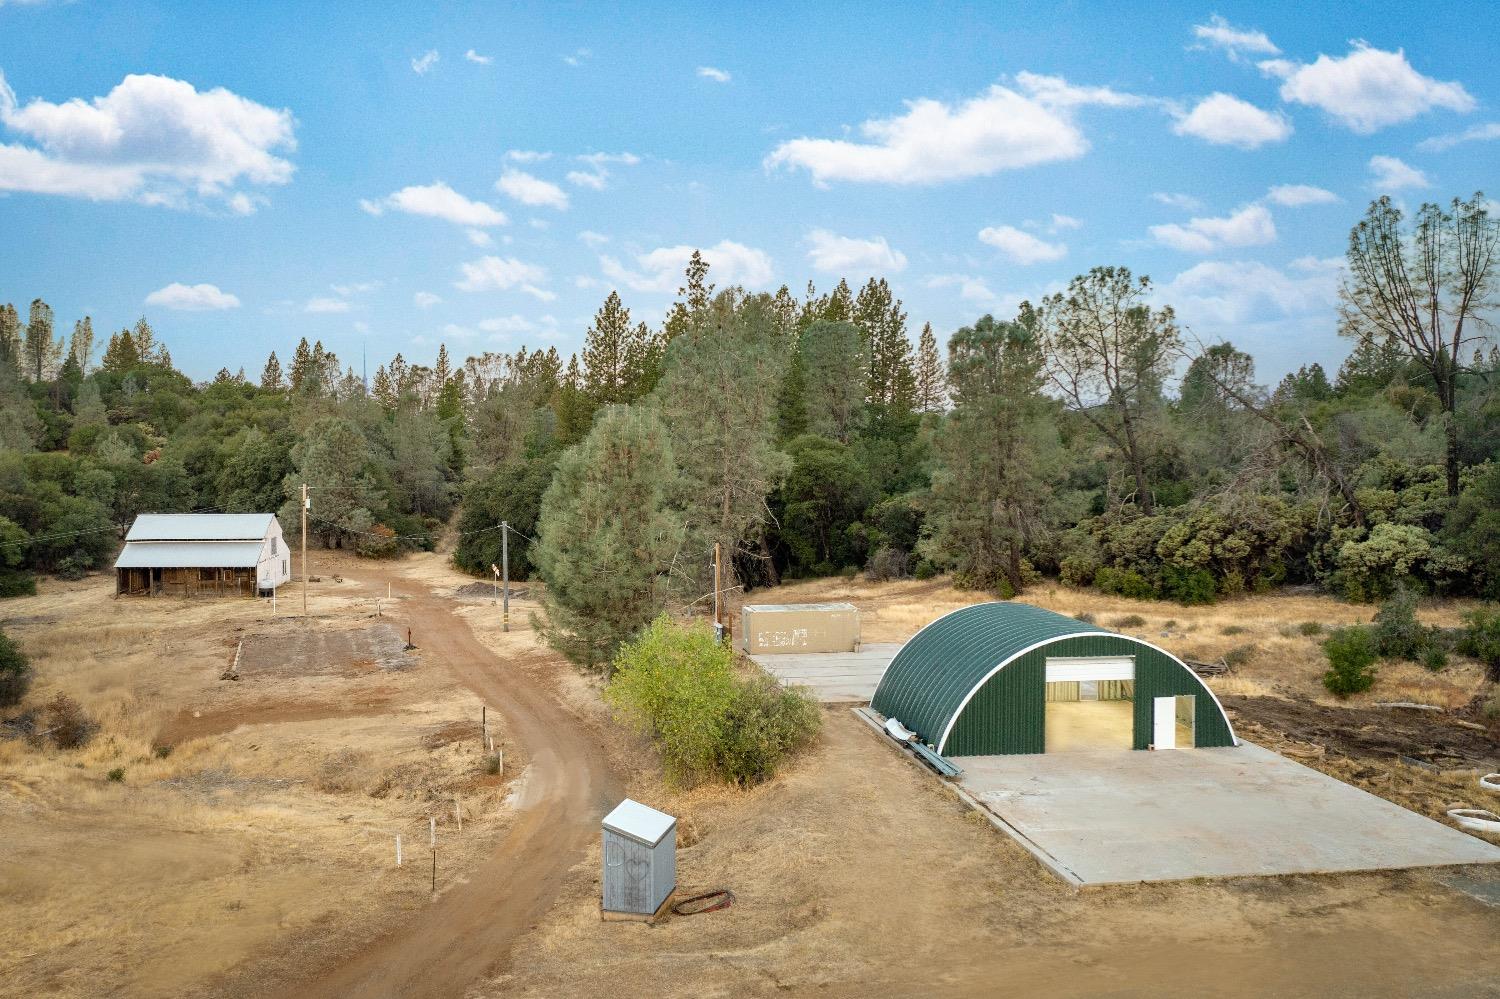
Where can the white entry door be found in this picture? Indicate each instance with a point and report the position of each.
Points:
(1164, 727)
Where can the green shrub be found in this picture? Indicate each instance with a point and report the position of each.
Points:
(1191, 587)
(1239, 655)
(1351, 661)
(117, 775)
(1435, 657)
(925, 570)
(1128, 621)
(1124, 583)
(677, 685)
(15, 672)
(1398, 633)
(16, 583)
(1481, 639)
(1232, 629)
(162, 752)
(1310, 628)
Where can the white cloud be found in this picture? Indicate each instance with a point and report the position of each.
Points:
(716, 75)
(152, 138)
(244, 204)
(577, 57)
(1250, 226)
(1389, 174)
(498, 273)
(360, 326)
(970, 288)
(425, 299)
(592, 238)
(1061, 222)
(1230, 293)
(531, 190)
(1186, 202)
(437, 200)
(354, 288)
(1225, 120)
(837, 254)
(1021, 247)
(324, 305)
(540, 294)
(1235, 42)
(662, 269)
(192, 298)
(422, 64)
(1296, 195)
(1367, 89)
(527, 156)
(501, 327)
(479, 237)
(598, 160)
(1001, 129)
(475, 57)
(1477, 133)
(584, 178)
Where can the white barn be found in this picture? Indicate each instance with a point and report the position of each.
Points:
(212, 554)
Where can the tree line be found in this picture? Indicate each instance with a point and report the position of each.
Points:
(1089, 438)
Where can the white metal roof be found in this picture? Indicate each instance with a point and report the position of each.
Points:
(200, 527)
(639, 822)
(189, 555)
(781, 608)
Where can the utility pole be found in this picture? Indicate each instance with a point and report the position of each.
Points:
(304, 549)
(718, 621)
(505, 564)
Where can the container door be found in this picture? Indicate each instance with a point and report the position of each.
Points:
(1164, 729)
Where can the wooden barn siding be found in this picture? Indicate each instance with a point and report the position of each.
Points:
(1008, 714)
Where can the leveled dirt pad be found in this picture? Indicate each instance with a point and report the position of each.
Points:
(1114, 817)
(834, 677)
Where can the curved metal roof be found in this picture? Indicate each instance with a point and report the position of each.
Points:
(932, 676)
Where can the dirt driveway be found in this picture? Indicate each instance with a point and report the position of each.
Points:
(568, 786)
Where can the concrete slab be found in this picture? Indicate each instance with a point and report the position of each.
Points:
(1117, 816)
(834, 677)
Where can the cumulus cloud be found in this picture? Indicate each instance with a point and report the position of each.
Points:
(1061, 222)
(1226, 120)
(475, 57)
(531, 190)
(837, 254)
(1250, 226)
(326, 305)
(1388, 174)
(1366, 90)
(501, 274)
(970, 288)
(527, 156)
(1478, 133)
(479, 237)
(597, 176)
(714, 74)
(425, 299)
(152, 138)
(192, 298)
(437, 200)
(422, 64)
(661, 269)
(1297, 195)
(1004, 128)
(1221, 293)
(592, 238)
(578, 57)
(1021, 247)
(1235, 42)
(501, 327)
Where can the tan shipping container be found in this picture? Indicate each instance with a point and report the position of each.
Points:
(769, 629)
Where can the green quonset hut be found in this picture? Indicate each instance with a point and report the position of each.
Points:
(1011, 678)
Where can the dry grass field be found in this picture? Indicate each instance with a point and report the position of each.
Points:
(254, 817)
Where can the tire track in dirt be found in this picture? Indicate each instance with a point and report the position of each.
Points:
(468, 933)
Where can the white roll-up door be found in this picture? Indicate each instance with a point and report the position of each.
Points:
(1068, 669)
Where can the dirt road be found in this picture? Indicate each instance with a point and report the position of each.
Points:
(468, 933)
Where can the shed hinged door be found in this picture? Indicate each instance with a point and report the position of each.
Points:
(1077, 669)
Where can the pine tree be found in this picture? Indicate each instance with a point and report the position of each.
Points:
(574, 411)
(11, 347)
(270, 376)
(223, 377)
(929, 379)
(304, 375)
(120, 356)
(607, 574)
(691, 298)
(42, 352)
(619, 358)
(442, 369)
(878, 313)
(81, 347)
(832, 359)
(145, 344)
(384, 390)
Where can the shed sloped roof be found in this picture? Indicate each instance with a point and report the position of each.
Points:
(639, 822)
(189, 555)
(200, 527)
(933, 673)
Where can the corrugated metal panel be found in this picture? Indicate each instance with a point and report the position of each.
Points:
(189, 555)
(200, 527)
(933, 673)
(930, 678)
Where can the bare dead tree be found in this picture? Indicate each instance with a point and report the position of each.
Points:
(1428, 292)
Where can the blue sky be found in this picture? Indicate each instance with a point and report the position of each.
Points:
(395, 176)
